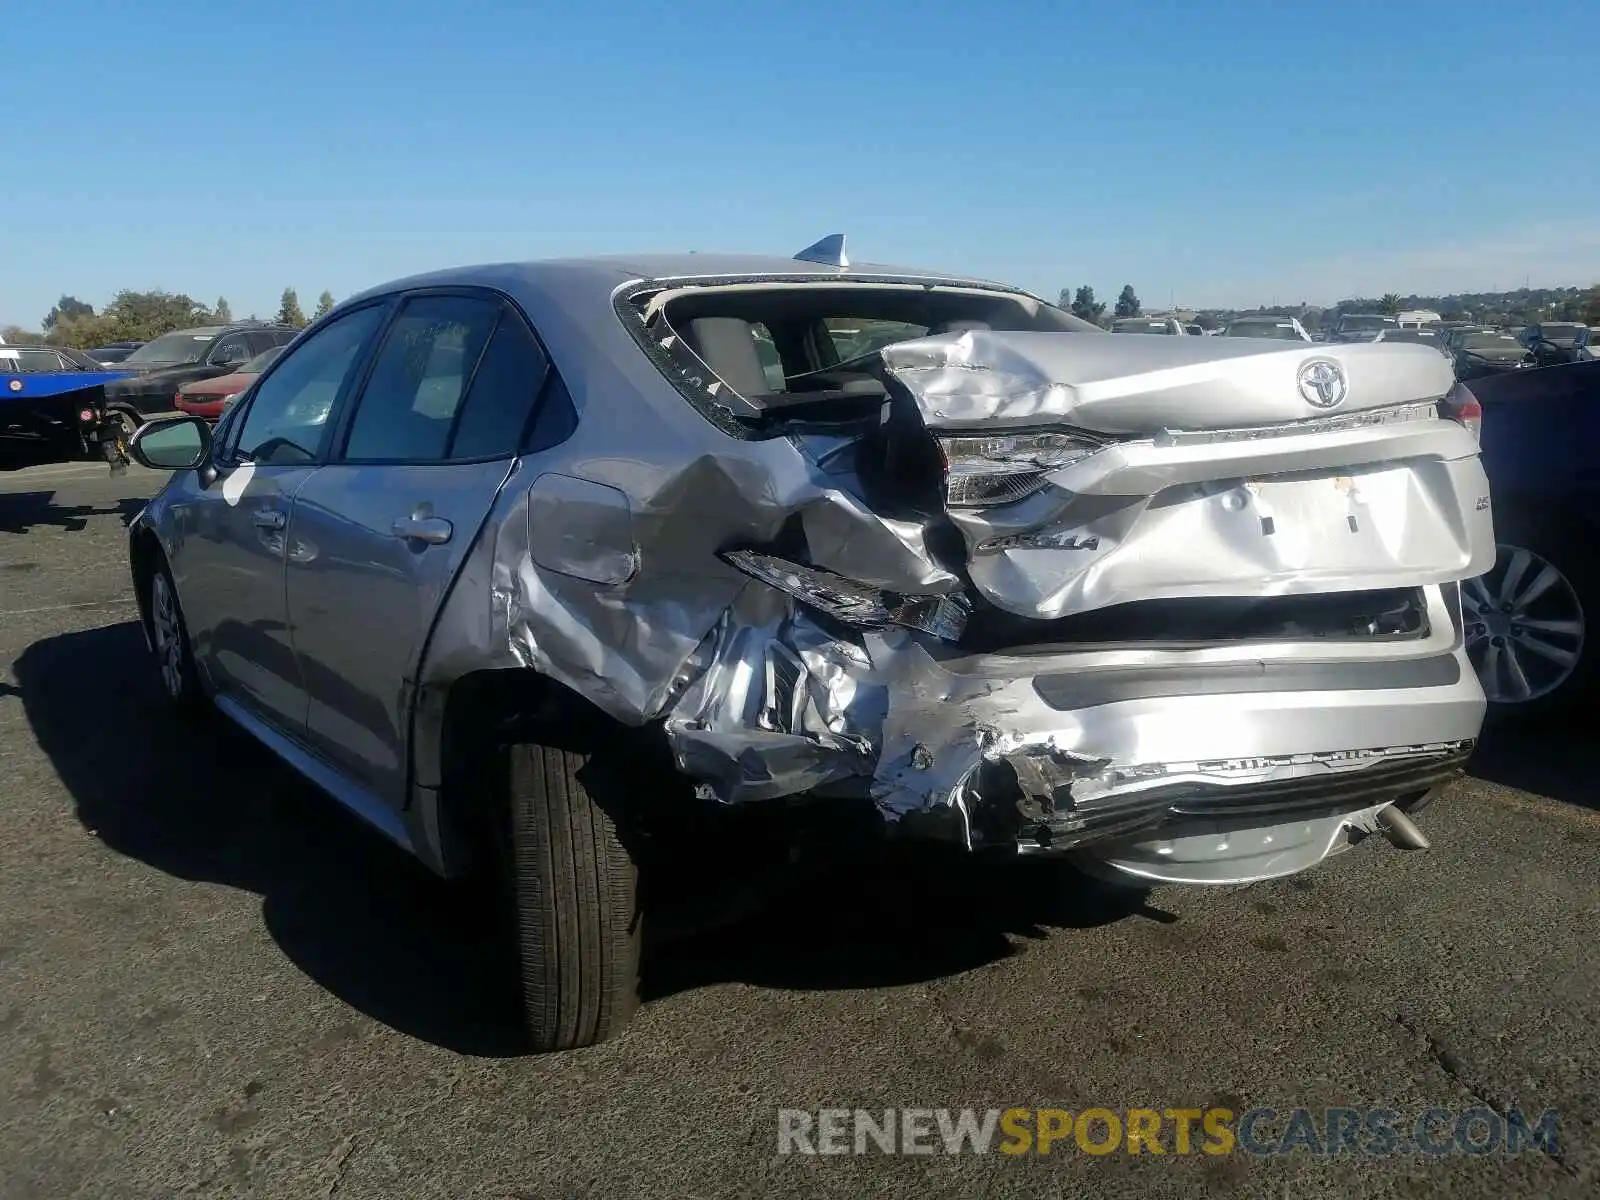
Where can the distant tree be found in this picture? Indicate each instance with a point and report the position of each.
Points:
(1593, 311)
(68, 308)
(222, 311)
(1127, 302)
(16, 335)
(324, 305)
(289, 309)
(131, 316)
(1084, 305)
(1064, 298)
(1208, 321)
(1390, 304)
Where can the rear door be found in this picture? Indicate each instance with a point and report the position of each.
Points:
(420, 458)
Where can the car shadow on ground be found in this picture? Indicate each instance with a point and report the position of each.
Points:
(21, 512)
(1560, 760)
(199, 800)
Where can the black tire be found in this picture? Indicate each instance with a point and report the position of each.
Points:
(176, 674)
(1567, 549)
(575, 892)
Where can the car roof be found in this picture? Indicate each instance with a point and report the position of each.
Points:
(571, 303)
(607, 272)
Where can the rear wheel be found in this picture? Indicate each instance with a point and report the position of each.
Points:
(169, 641)
(1526, 622)
(575, 894)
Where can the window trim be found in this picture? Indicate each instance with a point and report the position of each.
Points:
(508, 309)
(229, 454)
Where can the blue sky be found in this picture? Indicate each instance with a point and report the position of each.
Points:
(1208, 153)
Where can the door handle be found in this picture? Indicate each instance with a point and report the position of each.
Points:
(435, 531)
(270, 518)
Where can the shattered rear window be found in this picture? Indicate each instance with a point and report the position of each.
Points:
(755, 353)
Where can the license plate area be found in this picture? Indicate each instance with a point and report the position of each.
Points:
(1323, 506)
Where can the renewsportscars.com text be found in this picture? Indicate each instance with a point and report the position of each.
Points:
(1263, 1132)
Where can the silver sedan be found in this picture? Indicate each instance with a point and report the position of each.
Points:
(535, 566)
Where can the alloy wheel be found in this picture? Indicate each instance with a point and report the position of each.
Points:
(1524, 627)
(167, 636)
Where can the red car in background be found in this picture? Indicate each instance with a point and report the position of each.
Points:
(209, 397)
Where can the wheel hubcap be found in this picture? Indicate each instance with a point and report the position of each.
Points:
(1525, 627)
(168, 640)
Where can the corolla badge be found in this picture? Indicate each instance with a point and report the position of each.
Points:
(1323, 383)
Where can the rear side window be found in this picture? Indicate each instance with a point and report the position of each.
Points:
(408, 408)
(232, 350)
(510, 377)
(32, 361)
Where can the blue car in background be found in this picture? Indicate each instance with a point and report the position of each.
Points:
(53, 408)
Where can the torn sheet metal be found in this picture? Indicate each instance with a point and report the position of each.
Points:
(1208, 475)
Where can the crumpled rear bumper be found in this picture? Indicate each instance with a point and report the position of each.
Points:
(1266, 754)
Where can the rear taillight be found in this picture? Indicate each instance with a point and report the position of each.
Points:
(1002, 467)
(177, 399)
(858, 604)
(1462, 407)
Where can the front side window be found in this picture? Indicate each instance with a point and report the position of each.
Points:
(408, 407)
(291, 405)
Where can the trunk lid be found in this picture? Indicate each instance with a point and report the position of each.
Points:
(1137, 383)
(1084, 472)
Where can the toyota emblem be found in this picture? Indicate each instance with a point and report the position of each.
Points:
(1323, 384)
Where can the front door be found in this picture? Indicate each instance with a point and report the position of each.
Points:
(419, 461)
(238, 535)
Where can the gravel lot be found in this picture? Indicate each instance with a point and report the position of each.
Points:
(213, 983)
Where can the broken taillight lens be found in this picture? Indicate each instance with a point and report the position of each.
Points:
(857, 604)
(1001, 468)
(1463, 407)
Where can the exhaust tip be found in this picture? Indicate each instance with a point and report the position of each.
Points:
(1401, 831)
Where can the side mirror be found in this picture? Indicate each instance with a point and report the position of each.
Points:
(172, 444)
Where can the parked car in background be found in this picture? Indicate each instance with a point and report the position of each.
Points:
(1158, 325)
(1527, 625)
(1416, 337)
(1193, 330)
(1283, 329)
(164, 364)
(1553, 343)
(209, 397)
(1360, 327)
(1477, 353)
(570, 574)
(115, 352)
